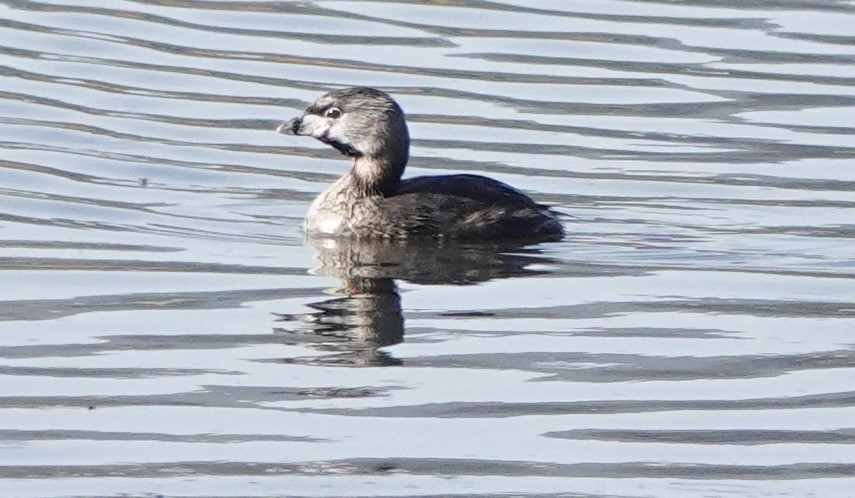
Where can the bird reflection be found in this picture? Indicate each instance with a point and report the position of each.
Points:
(366, 314)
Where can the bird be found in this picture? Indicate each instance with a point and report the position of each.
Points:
(372, 201)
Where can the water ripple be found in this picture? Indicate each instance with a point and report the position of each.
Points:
(167, 330)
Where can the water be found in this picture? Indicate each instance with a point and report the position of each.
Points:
(166, 330)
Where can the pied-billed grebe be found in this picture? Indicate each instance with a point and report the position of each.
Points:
(371, 200)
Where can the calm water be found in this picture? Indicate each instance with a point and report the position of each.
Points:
(166, 330)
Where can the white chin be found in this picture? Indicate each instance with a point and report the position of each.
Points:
(320, 131)
(338, 138)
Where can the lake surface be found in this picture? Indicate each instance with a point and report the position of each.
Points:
(165, 329)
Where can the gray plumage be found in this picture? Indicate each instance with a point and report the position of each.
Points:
(371, 200)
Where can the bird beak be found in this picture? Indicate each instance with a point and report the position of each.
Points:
(290, 127)
(307, 124)
(316, 126)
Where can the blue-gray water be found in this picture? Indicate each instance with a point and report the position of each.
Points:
(165, 330)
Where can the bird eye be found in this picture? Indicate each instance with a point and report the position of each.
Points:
(333, 112)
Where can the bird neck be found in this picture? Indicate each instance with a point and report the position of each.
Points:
(372, 175)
